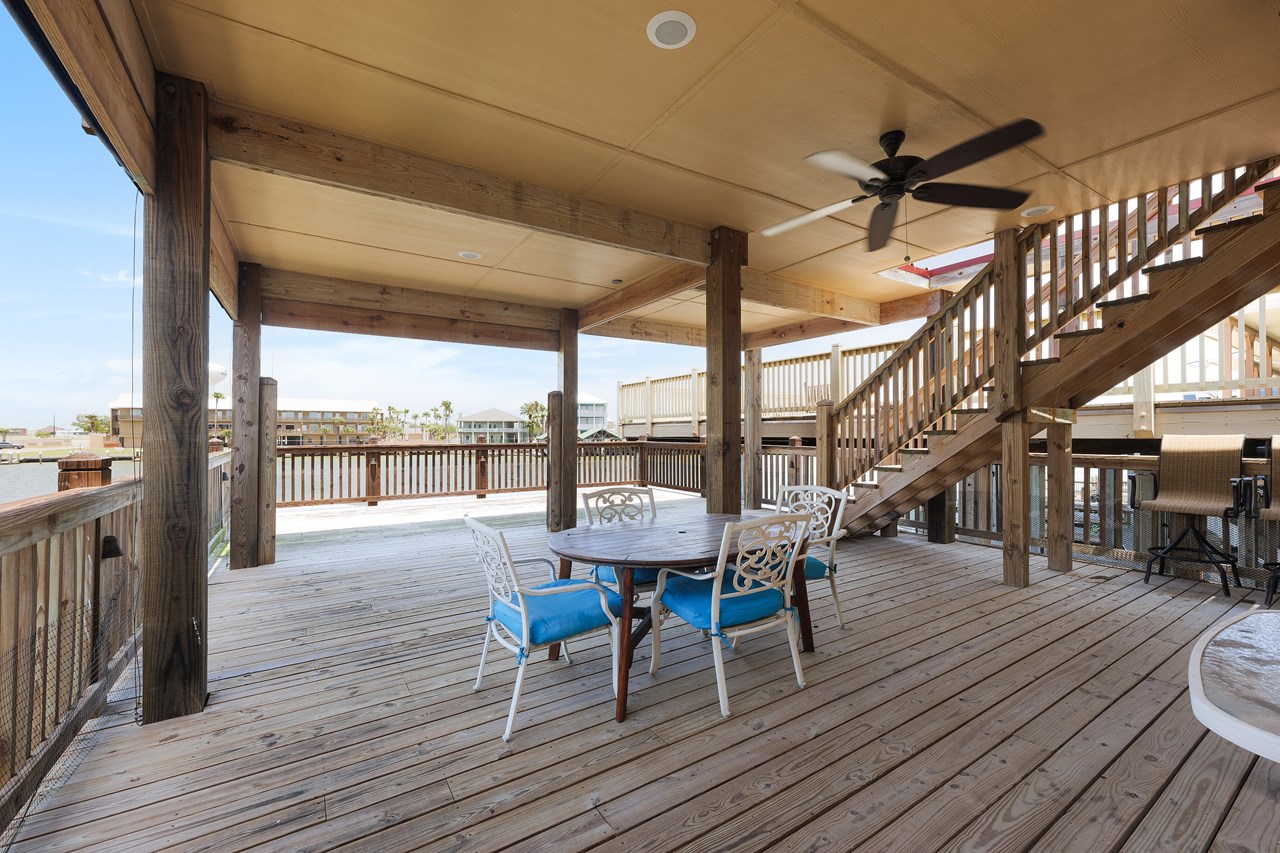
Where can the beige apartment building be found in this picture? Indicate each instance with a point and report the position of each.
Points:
(299, 420)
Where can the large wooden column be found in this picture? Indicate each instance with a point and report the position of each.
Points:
(267, 406)
(724, 370)
(246, 369)
(1009, 285)
(752, 424)
(562, 481)
(1061, 482)
(175, 361)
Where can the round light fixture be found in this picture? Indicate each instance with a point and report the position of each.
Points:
(1038, 210)
(617, 281)
(671, 30)
(469, 256)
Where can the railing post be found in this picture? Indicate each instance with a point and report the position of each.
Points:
(482, 467)
(642, 461)
(81, 471)
(372, 476)
(1144, 402)
(752, 373)
(837, 376)
(824, 469)
(795, 463)
(648, 406)
(266, 471)
(693, 404)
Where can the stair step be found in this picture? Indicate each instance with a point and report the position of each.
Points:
(1172, 265)
(1078, 333)
(1230, 224)
(1032, 362)
(914, 451)
(866, 485)
(1069, 342)
(889, 469)
(939, 432)
(1124, 300)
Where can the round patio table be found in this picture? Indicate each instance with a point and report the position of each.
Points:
(684, 542)
(1234, 681)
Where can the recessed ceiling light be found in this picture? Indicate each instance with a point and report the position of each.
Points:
(469, 256)
(1038, 210)
(670, 30)
(617, 281)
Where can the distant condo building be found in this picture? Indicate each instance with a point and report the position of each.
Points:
(299, 420)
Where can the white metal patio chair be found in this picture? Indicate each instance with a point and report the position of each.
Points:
(620, 503)
(750, 594)
(527, 618)
(826, 508)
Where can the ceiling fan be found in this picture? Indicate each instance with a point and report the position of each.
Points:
(894, 177)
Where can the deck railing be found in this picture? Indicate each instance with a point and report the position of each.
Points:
(790, 387)
(1106, 529)
(372, 473)
(68, 617)
(1070, 265)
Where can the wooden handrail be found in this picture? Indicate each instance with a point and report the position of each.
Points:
(25, 522)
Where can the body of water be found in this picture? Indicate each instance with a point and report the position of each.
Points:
(31, 479)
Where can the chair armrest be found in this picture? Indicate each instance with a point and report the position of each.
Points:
(552, 568)
(1133, 486)
(1242, 489)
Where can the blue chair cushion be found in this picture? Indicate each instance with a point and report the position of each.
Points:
(814, 569)
(691, 601)
(607, 574)
(553, 618)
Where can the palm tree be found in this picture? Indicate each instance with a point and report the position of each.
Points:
(218, 397)
(338, 421)
(446, 408)
(536, 414)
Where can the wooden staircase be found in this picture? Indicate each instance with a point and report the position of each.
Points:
(1090, 351)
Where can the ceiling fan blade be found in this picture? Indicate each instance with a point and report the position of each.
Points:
(881, 224)
(979, 148)
(844, 163)
(811, 216)
(969, 195)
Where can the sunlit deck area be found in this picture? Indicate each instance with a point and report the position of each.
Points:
(953, 712)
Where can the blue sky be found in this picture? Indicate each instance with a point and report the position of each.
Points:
(70, 317)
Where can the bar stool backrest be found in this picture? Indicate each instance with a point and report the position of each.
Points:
(1196, 473)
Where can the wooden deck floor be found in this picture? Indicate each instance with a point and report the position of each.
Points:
(951, 713)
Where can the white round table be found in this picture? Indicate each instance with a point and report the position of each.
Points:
(1234, 680)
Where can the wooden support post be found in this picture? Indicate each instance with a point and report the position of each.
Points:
(567, 369)
(266, 471)
(372, 476)
(753, 376)
(824, 466)
(1144, 402)
(1015, 499)
(724, 370)
(1061, 496)
(1009, 286)
(695, 404)
(648, 406)
(555, 464)
(175, 359)
(940, 517)
(482, 467)
(246, 369)
(837, 375)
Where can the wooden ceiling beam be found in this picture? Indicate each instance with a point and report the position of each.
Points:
(305, 287)
(802, 331)
(654, 332)
(363, 321)
(295, 149)
(105, 56)
(779, 292)
(911, 307)
(666, 282)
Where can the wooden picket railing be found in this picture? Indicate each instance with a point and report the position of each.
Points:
(68, 617)
(1070, 265)
(372, 473)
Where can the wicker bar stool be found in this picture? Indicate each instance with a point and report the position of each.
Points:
(1270, 511)
(1197, 479)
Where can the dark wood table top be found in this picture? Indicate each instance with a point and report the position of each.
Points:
(678, 542)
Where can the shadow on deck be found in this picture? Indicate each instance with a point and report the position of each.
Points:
(952, 712)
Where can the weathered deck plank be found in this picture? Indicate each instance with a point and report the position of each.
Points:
(951, 711)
